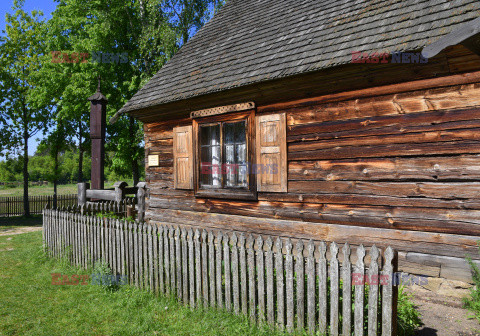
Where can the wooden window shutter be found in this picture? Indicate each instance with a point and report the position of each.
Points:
(271, 151)
(183, 157)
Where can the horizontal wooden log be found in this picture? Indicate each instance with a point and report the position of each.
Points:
(367, 93)
(454, 190)
(472, 134)
(108, 195)
(422, 242)
(383, 125)
(435, 168)
(420, 149)
(411, 202)
(158, 139)
(421, 219)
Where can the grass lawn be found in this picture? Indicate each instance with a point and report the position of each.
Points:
(39, 190)
(65, 189)
(31, 305)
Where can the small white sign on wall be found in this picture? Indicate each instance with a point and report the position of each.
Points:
(153, 160)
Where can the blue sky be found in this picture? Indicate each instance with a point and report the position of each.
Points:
(47, 7)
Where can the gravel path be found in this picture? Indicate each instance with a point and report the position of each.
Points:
(442, 315)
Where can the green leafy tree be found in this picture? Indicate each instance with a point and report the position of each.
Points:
(21, 51)
(55, 144)
(145, 33)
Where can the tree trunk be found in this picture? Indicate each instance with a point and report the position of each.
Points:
(134, 163)
(26, 204)
(55, 180)
(80, 153)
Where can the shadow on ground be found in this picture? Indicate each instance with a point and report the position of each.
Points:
(8, 222)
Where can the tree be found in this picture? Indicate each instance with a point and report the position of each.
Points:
(21, 51)
(148, 32)
(54, 144)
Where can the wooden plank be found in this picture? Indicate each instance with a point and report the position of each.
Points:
(359, 292)
(322, 288)
(311, 281)
(300, 274)
(374, 280)
(146, 270)
(178, 264)
(391, 150)
(166, 254)
(280, 284)
(204, 256)
(235, 274)
(161, 259)
(384, 125)
(289, 285)
(347, 291)
(173, 283)
(227, 269)
(387, 294)
(131, 253)
(334, 289)
(151, 262)
(219, 273)
(136, 249)
(468, 134)
(191, 267)
(198, 268)
(184, 266)
(261, 281)
(252, 292)
(211, 268)
(243, 275)
(269, 274)
(156, 266)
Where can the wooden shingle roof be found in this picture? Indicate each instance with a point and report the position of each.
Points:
(251, 41)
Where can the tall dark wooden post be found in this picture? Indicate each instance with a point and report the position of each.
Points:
(98, 121)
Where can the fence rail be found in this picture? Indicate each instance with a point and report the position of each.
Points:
(13, 206)
(293, 285)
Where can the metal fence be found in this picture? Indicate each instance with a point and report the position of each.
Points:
(13, 206)
(312, 286)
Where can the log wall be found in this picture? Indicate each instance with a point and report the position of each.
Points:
(405, 167)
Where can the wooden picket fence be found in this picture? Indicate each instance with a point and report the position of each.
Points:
(306, 287)
(13, 206)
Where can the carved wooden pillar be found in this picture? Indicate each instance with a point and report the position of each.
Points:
(98, 106)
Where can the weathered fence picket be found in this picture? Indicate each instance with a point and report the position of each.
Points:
(248, 275)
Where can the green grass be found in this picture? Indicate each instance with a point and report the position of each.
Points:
(39, 190)
(472, 303)
(31, 305)
(46, 190)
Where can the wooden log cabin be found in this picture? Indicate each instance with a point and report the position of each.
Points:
(346, 121)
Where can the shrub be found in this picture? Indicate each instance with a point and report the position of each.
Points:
(408, 318)
(473, 302)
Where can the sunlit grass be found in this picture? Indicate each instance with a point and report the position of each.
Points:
(31, 305)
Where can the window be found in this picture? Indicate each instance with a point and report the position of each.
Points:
(224, 156)
(231, 155)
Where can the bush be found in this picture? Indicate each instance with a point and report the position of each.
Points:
(408, 318)
(473, 302)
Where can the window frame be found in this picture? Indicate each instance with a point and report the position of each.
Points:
(249, 193)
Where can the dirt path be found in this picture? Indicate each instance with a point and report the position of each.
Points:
(442, 315)
(19, 230)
